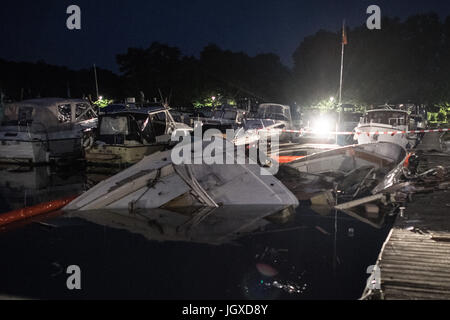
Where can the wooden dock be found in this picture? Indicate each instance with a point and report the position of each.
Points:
(415, 260)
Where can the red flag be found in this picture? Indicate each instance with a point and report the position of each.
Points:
(344, 36)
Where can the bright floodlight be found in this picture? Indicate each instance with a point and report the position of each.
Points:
(322, 126)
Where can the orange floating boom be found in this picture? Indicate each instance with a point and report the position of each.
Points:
(287, 159)
(28, 212)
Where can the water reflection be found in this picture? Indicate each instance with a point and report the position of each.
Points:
(22, 186)
(204, 225)
(224, 253)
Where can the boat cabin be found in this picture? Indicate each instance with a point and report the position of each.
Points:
(146, 125)
(47, 114)
(387, 117)
(275, 112)
(225, 117)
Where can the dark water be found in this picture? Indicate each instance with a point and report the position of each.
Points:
(305, 256)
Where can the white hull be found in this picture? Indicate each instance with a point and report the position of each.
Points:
(39, 130)
(37, 148)
(364, 137)
(349, 158)
(23, 152)
(349, 167)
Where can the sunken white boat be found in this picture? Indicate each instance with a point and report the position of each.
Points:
(157, 182)
(354, 171)
(40, 130)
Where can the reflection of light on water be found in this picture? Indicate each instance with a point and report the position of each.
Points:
(288, 287)
(266, 282)
(271, 289)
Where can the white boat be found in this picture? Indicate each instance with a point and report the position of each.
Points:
(125, 137)
(40, 130)
(156, 182)
(380, 124)
(281, 114)
(355, 170)
(255, 130)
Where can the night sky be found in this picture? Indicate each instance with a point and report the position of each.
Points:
(36, 30)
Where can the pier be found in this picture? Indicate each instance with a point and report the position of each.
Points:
(414, 261)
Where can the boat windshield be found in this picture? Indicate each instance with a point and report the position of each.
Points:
(114, 125)
(254, 124)
(258, 124)
(392, 118)
(276, 112)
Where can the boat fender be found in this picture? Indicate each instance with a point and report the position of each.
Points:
(88, 141)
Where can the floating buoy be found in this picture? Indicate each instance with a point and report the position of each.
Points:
(28, 212)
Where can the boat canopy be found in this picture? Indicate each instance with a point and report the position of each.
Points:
(274, 111)
(49, 113)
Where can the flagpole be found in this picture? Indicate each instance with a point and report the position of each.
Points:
(342, 63)
(96, 82)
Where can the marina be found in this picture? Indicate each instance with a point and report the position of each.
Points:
(322, 201)
(224, 156)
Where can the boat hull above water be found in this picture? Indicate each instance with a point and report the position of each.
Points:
(24, 151)
(348, 158)
(37, 148)
(365, 135)
(44, 130)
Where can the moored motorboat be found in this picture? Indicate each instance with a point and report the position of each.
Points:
(40, 130)
(385, 125)
(124, 137)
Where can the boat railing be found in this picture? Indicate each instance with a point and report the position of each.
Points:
(396, 121)
(391, 121)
